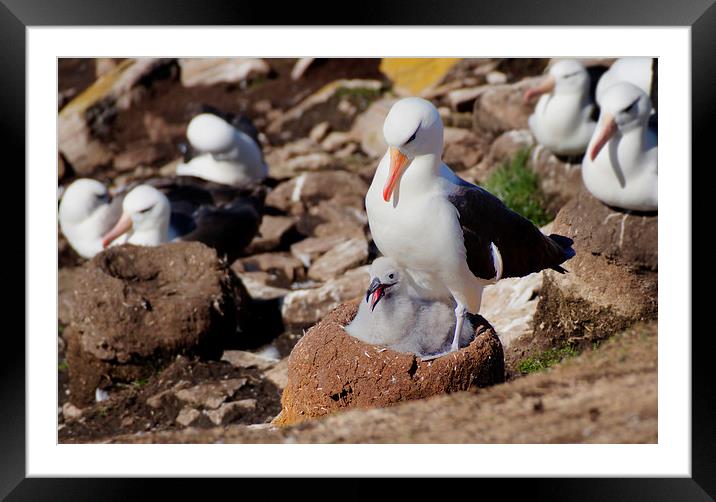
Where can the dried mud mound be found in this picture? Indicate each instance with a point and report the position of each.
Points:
(611, 283)
(134, 308)
(329, 370)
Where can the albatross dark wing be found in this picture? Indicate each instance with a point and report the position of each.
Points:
(228, 228)
(484, 218)
(223, 217)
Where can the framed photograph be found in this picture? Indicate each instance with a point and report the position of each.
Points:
(244, 175)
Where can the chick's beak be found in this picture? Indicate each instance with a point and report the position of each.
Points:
(398, 162)
(375, 292)
(121, 227)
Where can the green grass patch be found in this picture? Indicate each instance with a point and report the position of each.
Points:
(62, 366)
(516, 184)
(546, 359)
(138, 384)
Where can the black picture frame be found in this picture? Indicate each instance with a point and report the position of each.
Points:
(700, 15)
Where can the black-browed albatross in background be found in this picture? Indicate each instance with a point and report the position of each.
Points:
(639, 71)
(564, 118)
(160, 211)
(223, 148)
(453, 238)
(621, 167)
(86, 213)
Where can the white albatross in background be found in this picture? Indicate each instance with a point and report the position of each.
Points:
(621, 166)
(150, 219)
(453, 238)
(638, 71)
(86, 214)
(224, 148)
(564, 119)
(144, 220)
(395, 315)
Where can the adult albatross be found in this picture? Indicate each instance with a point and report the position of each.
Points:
(153, 215)
(452, 237)
(223, 148)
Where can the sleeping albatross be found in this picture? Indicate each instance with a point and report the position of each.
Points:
(150, 218)
(223, 148)
(452, 238)
(86, 213)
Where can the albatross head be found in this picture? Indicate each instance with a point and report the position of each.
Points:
(210, 133)
(564, 77)
(412, 128)
(385, 280)
(144, 209)
(623, 107)
(81, 199)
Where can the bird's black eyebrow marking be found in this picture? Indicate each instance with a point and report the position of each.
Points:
(411, 138)
(632, 104)
(145, 209)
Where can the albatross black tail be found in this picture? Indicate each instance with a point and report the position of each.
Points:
(566, 244)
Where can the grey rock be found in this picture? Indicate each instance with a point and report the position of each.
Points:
(344, 256)
(210, 71)
(228, 412)
(308, 250)
(305, 307)
(211, 394)
(187, 416)
(244, 359)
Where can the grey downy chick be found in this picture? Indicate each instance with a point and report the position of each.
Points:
(396, 316)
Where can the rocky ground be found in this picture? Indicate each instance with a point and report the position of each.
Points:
(175, 345)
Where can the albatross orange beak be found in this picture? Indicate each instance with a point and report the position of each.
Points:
(398, 162)
(547, 85)
(121, 227)
(608, 130)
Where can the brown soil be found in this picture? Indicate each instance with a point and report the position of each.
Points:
(607, 395)
(176, 104)
(134, 307)
(127, 411)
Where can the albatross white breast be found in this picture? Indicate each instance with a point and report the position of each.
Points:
(453, 238)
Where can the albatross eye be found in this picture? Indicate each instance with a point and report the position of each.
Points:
(411, 138)
(631, 107)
